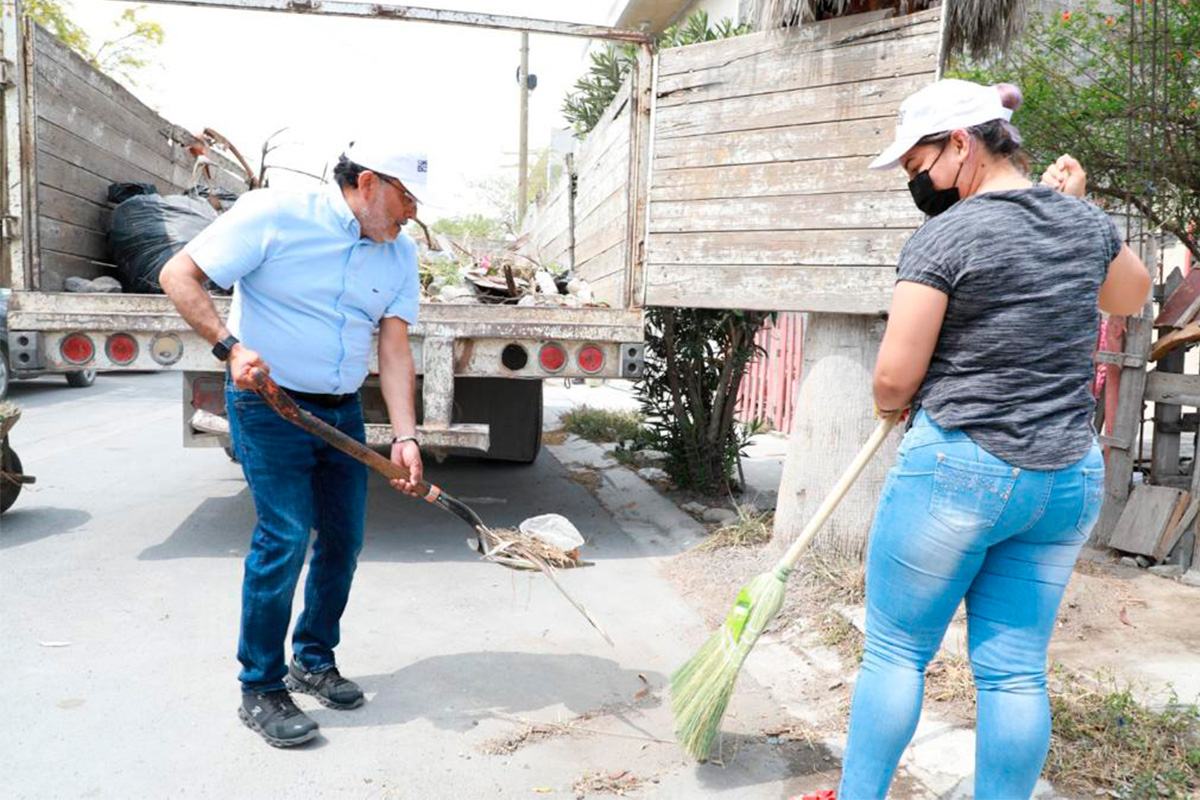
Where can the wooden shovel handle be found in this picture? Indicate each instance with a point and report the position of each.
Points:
(839, 490)
(282, 402)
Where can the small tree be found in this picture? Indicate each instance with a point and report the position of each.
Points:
(471, 225)
(124, 55)
(1126, 107)
(695, 358)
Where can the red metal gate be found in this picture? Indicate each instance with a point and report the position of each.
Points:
(772, 382)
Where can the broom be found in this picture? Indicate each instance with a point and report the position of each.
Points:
(701, 688)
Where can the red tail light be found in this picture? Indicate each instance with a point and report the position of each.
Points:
(77, 349)
(591, 358)
(122, 349)
(552, 357)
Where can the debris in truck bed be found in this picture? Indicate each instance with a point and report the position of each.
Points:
(490, 271)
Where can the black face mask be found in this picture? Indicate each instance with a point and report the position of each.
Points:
(930, 200)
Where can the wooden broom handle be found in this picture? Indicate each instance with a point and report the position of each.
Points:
(836, 494)
(281, 401)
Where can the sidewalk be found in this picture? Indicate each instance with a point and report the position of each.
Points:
(793, 668)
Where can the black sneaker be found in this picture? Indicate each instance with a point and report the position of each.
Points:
(275, 717)
(329, 687)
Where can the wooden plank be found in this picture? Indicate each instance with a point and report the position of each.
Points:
(1185, 335)
(605, 270)
(790, 212)
(757, 180)
(1174, 529)
(1182, 303)
(838, 139)
(847, 247)
(1127, 420)
(1164, 459)
(85, 155)
(65, 207)
(1178, 390)
(145, 132)
(783, 71)
(846, 290)
(833, 32)
(70, 179)
(599, 187)
(599, 238)
(1146, 517)
(862, 100)
(55, 267)
(64, 237)
(106, 136)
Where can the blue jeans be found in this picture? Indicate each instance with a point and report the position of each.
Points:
(298, 482)
(955, 521)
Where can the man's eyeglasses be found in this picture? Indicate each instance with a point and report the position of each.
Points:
(398, 185)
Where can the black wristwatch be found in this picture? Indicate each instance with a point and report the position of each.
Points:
(223, 348)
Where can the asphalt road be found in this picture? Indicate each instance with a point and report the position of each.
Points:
(120, 575)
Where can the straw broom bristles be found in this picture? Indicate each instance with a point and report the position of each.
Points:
(701, 688)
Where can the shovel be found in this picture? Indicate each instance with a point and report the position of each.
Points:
(487, 543)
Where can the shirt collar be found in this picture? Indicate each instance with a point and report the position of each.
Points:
(341, 210)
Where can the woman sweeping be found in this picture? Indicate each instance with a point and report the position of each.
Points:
(998, 482)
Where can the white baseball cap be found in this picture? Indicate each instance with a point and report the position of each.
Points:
(946, 105)
(409, 166)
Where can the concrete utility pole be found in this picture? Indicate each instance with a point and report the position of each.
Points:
(523, 148)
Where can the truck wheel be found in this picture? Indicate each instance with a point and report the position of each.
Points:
(513, 409)
(81, 379)
(9, 489)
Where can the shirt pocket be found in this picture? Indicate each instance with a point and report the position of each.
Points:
(370, 295)
(969, 496)
(1093, 500)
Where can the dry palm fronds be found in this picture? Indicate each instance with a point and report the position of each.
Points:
(507, 543)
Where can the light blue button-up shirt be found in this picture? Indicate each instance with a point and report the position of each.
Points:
(310, 290)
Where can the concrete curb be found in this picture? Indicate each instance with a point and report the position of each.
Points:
(650, 519)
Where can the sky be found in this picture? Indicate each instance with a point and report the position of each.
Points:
(449, 89)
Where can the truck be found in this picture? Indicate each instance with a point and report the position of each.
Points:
(69, 131)
(725, 174)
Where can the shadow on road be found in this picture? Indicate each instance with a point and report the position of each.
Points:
(402, 529)
(740, 760)
(23, 524)
(454, 692)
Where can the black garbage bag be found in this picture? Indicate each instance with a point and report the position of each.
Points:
(147, 230)
(120, 192)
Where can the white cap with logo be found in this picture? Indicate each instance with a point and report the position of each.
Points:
(409, 166)
(946, 105)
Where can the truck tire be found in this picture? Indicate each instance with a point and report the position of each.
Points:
(9, 489)
(513, 409)
(3, 373)
(81, 379)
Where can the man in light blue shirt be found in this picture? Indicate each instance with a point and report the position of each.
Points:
(314, 274)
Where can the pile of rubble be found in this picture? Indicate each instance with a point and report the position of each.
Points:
(489, 271)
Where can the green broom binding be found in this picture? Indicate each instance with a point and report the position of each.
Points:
(701, 688)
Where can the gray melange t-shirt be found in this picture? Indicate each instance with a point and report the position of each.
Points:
(1013, 363)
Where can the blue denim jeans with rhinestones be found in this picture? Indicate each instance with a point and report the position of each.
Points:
(954, 522)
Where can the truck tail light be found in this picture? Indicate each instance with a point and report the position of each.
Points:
(121, 349)
(552, 357)
(77, 348)
(591, 359)
(166, 349)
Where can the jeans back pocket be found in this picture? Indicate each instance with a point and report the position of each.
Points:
(970, 496)
(1093, 500)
